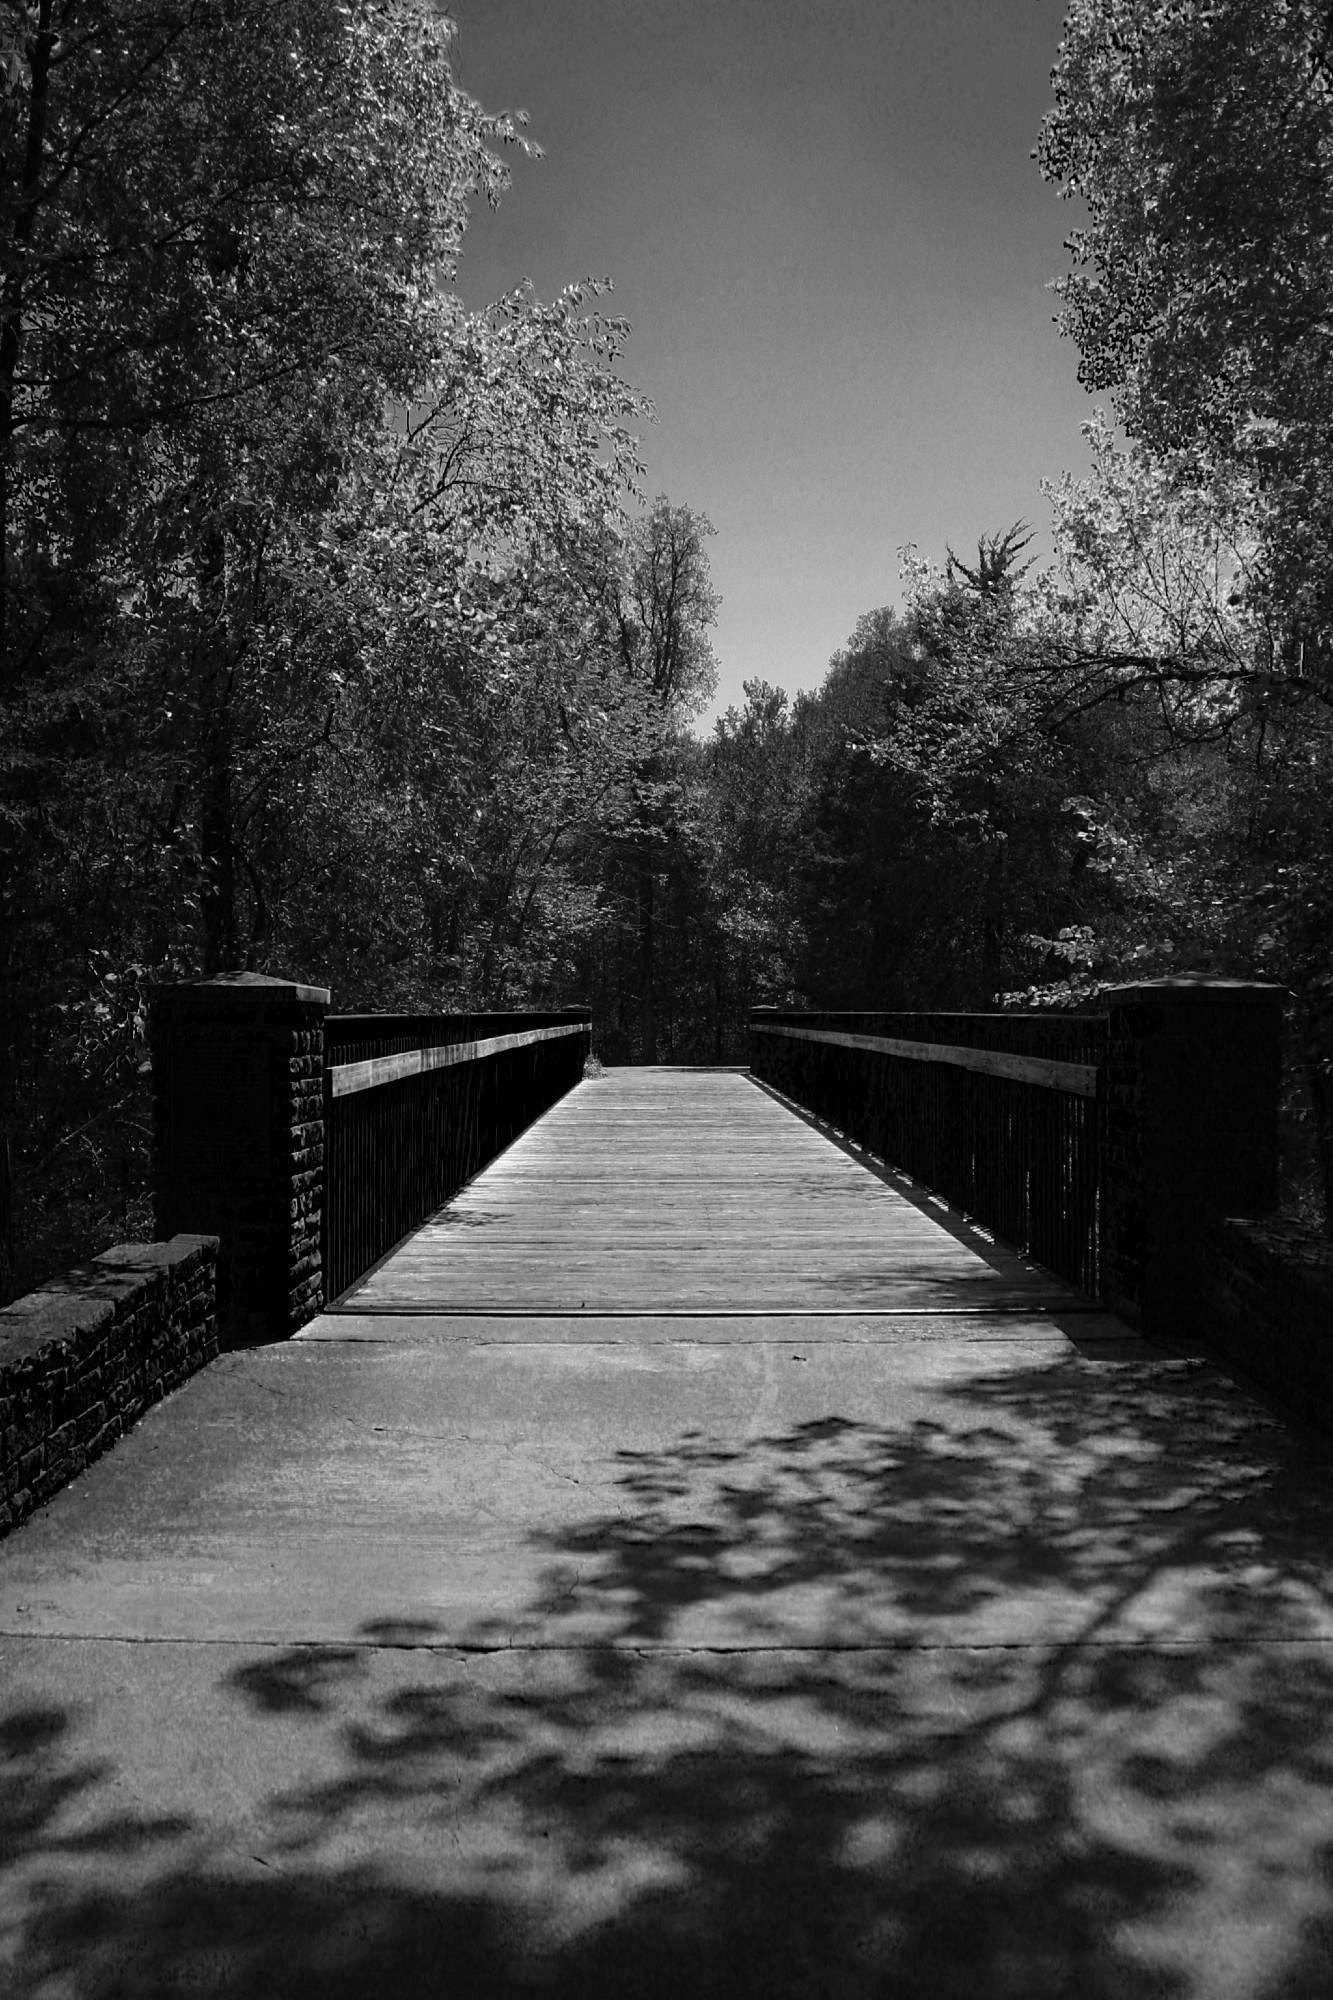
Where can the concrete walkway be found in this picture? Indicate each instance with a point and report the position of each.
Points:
(691, 1566)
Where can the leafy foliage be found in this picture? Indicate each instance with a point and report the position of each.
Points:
(1199, 135)
(333, 644)
(312, 655)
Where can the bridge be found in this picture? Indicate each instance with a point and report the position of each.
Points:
(696, 1560)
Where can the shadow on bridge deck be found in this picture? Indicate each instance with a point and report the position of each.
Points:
(683, 1569)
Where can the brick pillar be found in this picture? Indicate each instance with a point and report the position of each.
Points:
(1194, 1073)
(238, 1140)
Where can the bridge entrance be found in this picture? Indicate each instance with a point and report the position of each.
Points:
(693, 1563)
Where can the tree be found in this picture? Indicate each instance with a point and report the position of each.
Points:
(663, 603)
(278, 513)
(171, 249)
(900, 831)
(205, 296)
(998, 572)
(1199, 134)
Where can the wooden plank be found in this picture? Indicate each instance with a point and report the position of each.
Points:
(1077, 1079)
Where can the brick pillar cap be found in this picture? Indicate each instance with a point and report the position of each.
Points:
(1196, 986)
(246, 985)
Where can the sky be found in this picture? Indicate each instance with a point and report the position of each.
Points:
(822, 220)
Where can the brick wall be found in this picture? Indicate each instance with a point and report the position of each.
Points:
(1268, 1306)
(238, 1140)
(301, 1120)
(84, 1357)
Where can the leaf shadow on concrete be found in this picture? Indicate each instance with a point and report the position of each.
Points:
(774, 1730)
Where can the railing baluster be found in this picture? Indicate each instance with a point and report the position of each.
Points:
(1099, 1144)
(402, 1137)
(999, 1114)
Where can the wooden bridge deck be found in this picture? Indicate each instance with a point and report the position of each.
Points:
(690, 1566)
(651, 1191)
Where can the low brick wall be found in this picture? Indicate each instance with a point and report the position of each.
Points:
(1268, 1298)
(83, 1358)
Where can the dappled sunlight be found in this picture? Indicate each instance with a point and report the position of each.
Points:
(1057, 1501)
(1122, 1805)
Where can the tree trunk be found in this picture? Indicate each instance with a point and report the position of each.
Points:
(6, 1220)
(647, 1006)
(11, 330)
(1318, 1053)
(993, 925)
(217, 901)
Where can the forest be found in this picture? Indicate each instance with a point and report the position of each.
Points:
(342, 640)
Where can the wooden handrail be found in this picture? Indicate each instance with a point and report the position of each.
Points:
(1079, 1079)
(347, 1078)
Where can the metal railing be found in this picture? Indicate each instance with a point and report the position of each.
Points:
(416, 1104)
(999, 1114)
